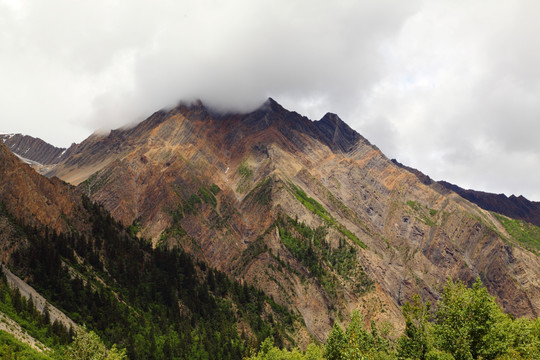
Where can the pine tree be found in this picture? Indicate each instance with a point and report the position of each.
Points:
(336, 344)
(414, 343)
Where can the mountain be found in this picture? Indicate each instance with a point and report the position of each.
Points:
(60, 248)
(307, 211)
(34, 199)
(516, 207)
(33, 149)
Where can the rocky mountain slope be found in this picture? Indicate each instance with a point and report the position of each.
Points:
(308, 211)
(517, 207)
(33, 149)
(152, 302)
(34, 199)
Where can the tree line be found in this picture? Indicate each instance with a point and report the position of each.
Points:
(467, 324)
(156, 303)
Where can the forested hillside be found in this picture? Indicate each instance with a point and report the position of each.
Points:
(155, 303)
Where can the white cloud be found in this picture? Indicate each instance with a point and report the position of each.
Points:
(460, 92)
(449, 87)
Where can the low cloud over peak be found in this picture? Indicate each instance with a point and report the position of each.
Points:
(448, 88)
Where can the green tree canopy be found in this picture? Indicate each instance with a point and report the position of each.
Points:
(88, 346)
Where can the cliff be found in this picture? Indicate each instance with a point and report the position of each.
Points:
(273, 199)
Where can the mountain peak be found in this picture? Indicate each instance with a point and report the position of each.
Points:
(32, 148)
(331, 118)
(227, 187)
(271, 105)
(340, 135)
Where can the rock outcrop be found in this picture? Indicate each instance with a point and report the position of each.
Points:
(308, 211)
(34, 199)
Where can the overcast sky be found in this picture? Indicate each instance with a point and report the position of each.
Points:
(451, 88)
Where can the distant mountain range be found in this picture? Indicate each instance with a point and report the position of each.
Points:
(517, 207)
(33, 149)
(309, 212)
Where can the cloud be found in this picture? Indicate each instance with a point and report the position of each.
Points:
(123, 60)
(233, 55)
(448, 87)
(460, 92)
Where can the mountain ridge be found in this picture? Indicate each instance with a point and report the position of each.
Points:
(33, 148)
(517, 207)
(77, 256)
(247, 193)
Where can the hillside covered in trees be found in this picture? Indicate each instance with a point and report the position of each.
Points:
(466, 324)
(153, 303)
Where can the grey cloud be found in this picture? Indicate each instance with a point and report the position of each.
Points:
(461, 89)
(240, 55)
(448, 87)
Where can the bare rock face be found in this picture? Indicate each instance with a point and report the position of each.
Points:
(310, 212)
(36, 200)
(33, 200)
(33, 149)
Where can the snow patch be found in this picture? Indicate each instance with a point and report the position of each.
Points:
(28, 161)
(6, 136)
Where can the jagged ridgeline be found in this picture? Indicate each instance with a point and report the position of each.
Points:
(219, 186)
(216, 231)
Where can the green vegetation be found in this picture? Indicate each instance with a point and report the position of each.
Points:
(316, 208)
(175, 231)
(525, 233)
(269, 352)
(262, 192)
(423, 213)
(190, 205)
(356, 342)
(11, 348)
(253, 250)
(244, 170)
(414, 205)
(303, 250)
(208, 197)
(337, 204)
(215, 189)
(53, 335)
(135, 227)
(194, 204)
(310, 203)
(23, 311)
(154, 303)
(88, 346)
(94, 183)
(322, 261)
(342, 259)
(467, 324)
(245, 176)
(159, 304)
